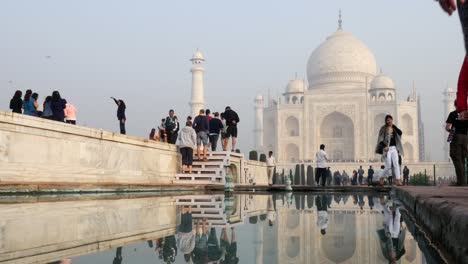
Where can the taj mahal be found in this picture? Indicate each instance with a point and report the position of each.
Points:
(342, 104)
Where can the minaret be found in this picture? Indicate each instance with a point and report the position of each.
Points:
(258, 131)
(449, 106)
(198, 100)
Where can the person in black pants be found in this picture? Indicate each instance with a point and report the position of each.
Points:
(121, 114)
(370, 175)
(405, 176)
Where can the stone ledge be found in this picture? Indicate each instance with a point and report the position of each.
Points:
(443, 212)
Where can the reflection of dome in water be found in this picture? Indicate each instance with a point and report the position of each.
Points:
(340, 53)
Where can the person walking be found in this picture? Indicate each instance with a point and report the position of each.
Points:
(271, 163)
(406, 176)
(47, 108)
(450, 6)
(389, 146)
(232, 119)
(216, 126)
(70, 113)
(121, 107)
(360, 175)
(57, 105)
(16, 103)
(171, 126)
(202, 127)
(186, 141)
(321, 158)
(458, 140)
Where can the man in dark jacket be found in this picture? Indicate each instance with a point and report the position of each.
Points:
(172, 127)
(202, 127)
(231, 122)
(215, 129)
(370, 175)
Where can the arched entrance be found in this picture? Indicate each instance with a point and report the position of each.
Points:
(337, 133)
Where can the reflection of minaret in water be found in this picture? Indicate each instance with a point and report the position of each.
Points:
(198, 100)
(449, 98)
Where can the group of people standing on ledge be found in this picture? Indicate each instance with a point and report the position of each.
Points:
(54, 106)
(200, 133)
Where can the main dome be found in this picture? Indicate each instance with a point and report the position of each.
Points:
(341, 57)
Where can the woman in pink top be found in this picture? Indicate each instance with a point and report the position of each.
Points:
(70, 113)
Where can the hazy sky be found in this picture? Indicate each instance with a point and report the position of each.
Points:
(139, 51)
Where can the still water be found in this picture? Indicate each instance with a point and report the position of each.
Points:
(211, 228)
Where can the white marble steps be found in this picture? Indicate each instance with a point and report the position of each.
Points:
(212, 171)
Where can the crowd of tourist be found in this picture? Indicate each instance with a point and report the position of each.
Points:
(199, 134)
(54, 107)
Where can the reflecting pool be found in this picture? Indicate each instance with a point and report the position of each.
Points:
(210, 228)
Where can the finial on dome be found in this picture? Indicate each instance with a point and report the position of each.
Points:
(340, 21)
(295, 76)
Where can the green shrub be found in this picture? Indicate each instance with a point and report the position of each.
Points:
(420, 179)
(253, 155)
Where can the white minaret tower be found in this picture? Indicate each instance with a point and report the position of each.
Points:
(449, 106)
(198, 100)
(258, 131)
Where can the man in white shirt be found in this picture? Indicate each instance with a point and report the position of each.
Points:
(322, 159)
(271, 163)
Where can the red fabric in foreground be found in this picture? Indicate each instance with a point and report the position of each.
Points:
(462, 89)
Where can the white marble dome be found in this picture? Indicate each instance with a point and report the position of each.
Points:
(259, 97)
(295, 86)
(341, 53)
(382, 81)
(198, 56)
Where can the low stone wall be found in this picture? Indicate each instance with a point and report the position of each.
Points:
(444, 213)
(39, 150)
(442, 169)
(43, 155)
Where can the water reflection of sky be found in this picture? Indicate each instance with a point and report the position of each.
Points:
(247, 228)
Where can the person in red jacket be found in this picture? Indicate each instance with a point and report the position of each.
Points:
(450, 6)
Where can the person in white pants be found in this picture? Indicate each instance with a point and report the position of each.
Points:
(389, 145)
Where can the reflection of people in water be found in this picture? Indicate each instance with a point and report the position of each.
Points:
(214, 251)
(361, 201)
(370, 199)
(169, 249)
(392, 237)
(321, 201)
(271, 212)
(185, 235)
(118, 256)
(200, 253)
(230, 249)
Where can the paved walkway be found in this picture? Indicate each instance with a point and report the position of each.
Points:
(443, 211)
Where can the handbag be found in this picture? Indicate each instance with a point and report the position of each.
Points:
(380, 148)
